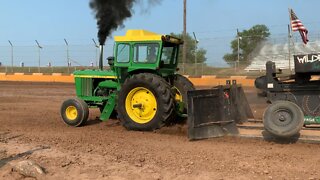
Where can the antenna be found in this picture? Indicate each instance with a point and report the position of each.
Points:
(11, 55)
(195, 37)
(39, 55)
(195, 51)
(97, 50)
(95, 43)
(68, 56)
(39, 45)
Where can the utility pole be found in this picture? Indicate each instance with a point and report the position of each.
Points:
(97, 49)
(11, 55)
(238, 60)
(39, 55)
(184, 50)
(68, 57)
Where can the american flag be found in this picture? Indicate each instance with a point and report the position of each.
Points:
(296, 25)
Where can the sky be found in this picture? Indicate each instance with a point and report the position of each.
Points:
(214, 21)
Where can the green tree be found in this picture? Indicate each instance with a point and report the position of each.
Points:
(191, 52)
(249, 42)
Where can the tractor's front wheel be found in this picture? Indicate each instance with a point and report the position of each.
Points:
(145, 102)
(74, 112)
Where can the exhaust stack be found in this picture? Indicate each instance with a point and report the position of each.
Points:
(101, 58)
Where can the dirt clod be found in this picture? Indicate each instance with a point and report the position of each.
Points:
(28, 168)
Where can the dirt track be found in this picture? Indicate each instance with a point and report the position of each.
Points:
(30, 123)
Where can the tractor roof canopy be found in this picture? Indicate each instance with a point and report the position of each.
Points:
(143, 35)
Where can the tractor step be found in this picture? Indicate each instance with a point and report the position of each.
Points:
(108, 108)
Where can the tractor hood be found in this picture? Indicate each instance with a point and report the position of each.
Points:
(107, 74)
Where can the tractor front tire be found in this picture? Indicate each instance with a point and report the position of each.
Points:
(283, 119)
(74, 112)
(145, 102)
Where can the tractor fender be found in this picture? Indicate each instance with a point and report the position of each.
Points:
(138, 71)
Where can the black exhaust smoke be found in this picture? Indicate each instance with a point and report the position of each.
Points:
(110, 14)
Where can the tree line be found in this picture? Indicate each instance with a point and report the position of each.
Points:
(243, 45)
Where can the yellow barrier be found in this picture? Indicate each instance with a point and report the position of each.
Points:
(213, 81)
(36, 78)
(58, 77)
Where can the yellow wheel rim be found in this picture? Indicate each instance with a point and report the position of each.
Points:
(178, 96)
(141, 105)
(71, 113)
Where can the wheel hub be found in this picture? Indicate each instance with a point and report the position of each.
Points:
(178, 96)
(283, 117)
(141, 105)
(71, 113)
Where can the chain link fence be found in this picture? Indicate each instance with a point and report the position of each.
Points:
(68, 58)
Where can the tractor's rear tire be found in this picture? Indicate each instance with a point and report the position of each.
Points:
(283, 119)
(145, 102)
(182, 85)
(74, 112)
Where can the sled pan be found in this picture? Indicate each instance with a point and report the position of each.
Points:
(216, 112)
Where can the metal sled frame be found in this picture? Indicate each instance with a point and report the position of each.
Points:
(215, 112)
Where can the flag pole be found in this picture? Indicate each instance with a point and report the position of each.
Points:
(289, 39)
(289, 47)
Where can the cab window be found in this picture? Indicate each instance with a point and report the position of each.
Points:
(168, 54)
(123, 53)
(146, 53)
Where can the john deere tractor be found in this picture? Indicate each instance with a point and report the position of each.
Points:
(141, 86)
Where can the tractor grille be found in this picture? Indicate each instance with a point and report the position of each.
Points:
(86, 87)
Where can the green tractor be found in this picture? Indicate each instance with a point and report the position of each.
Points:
(141, 86)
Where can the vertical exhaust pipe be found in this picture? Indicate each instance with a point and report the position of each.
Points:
(101, 58)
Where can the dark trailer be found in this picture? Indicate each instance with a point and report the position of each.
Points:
(295, 99)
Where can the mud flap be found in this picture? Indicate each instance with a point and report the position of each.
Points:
(216, 112)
